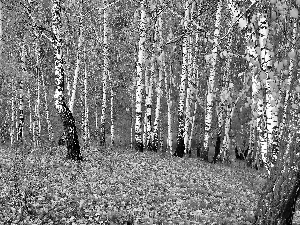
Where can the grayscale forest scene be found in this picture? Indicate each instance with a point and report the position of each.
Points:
(162, 112)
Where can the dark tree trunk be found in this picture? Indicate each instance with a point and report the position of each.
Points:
(180, 138)
(72, 143)
(73, 148)
(217, 148)
(277, 202)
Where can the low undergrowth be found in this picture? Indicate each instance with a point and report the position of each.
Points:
(123, 187)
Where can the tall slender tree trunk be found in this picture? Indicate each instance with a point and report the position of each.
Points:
(252, 56)
(1, 30)
(60, 104)
(211, 83)
(31, 131)
(105, 75)
(20, 132)
(86, 139)
(288, 81)
(223, 120)
(13, 114)
(160, 64)
(149, 108)
(112, 119)
(78, 60)
(169, 103)
(147, 91)
(38, 100)
(180, 149)
(261, 120)
(139, 77)
(188, 107)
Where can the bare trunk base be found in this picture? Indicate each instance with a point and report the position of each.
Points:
(72, 142)
(180, 147)
(139, 147)
(277, 202)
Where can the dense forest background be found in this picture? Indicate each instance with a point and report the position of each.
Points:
(99, 82)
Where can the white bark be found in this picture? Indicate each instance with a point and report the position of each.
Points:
(253, 59)
(211, 79)
(31, 130)
(1, 30)
(261, 126)
(38, 100)
(78, 61)
(112, 121)
(139, 76)
(13, 110)
(159, 89)
(86, 107)
(181, 118)
(188, 97)
(147, 88)
(105, 75)
(169, 103)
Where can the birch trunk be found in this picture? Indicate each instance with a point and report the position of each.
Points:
(86, 107)
(20, 132)
(145, 137)
(288, 82)
(112, 121)
(211, 83)
(188, 98)
(78, 60)
(225, 109)
(139, 77)
(13, 110)
(1, 30)
(149, 108)
(38, 100)
(157, 122)
(31, 131)
(169, 103)
(261, 121)
(181, 118)
(105, 75)
(253, 59)
(60, 104)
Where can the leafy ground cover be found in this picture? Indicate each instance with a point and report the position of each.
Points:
(124, 187)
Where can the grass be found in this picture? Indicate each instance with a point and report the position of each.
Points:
(123, 187)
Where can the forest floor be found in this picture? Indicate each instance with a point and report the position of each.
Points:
(124, 187)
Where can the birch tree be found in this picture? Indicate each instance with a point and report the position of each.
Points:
(1, 30)
(139, 77)
(252, 45)
(188, 96)
(20, 131)
(180, 149)
(37, 126)
(86, 106)
(112, 117)
(211, 81)
(105, 75)
(78, 59)
(160, 61)
(149, 94)
(60, 104)
(13, 114)
(264, 56)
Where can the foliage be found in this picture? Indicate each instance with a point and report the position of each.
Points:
(111, 187)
